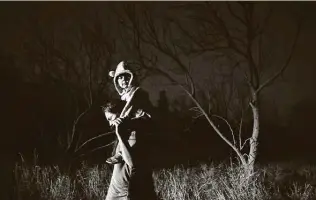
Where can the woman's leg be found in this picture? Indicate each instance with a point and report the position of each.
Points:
(116, 148)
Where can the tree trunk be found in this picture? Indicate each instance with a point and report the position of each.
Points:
(255, 132)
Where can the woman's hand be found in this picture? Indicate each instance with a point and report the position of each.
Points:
(118, 121)
(118, 126)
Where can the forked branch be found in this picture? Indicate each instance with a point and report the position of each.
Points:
(278, 73)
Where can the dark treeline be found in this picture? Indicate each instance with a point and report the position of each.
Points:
(55, 78)
(34, 115)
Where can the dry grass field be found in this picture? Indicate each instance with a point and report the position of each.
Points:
(203, 181)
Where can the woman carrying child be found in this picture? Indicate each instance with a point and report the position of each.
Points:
(132, 177)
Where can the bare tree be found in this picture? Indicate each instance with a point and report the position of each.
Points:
(148, 35)
(78, 62)
(249, 47)
(232, 31)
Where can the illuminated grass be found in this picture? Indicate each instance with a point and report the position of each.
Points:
(220, 182)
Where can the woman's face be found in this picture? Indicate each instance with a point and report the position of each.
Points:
(110, 116)
(123, 80)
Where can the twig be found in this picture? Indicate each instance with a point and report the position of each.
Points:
(95, 149)
(195, 117)
(240, 129)
(242, 21)
(93, 138)
(231, 130)
(244, 143)
(215, 128)
(277, 74)
(74, 127)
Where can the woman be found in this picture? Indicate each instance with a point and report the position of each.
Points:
(132, 178)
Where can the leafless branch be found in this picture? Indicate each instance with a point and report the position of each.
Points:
(74, 126)
(278, 73)
(259, 31)
(231, 11)
(242, 146)
(229, 126)
(250, 36)
(152, 31)
(194, 108)
(260, 61)
(240, 129)
(95, 149)
(214, 127)
(93, 138)
(245, 155)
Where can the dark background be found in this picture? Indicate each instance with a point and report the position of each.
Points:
(48, 48)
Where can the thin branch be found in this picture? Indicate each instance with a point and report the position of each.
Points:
(22, 158)
(265, 23)
(198, 116)
(194, 108)
(93, 138)
(74, 126)
(90, 81)
(166, 50)
(278, 73)
(229, 37)
(242, 146)
(78, 141)
(230, 128)
(240, 129)
(246, 155)
(260, 47)
(209, 101)
(242, 159)
(242, 21)
(95, 149)
(194, 39)
(253, 69)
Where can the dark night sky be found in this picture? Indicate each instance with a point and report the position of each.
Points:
(298, 82)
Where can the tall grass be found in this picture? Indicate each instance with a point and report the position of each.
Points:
(206, 181)
(209, 182)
